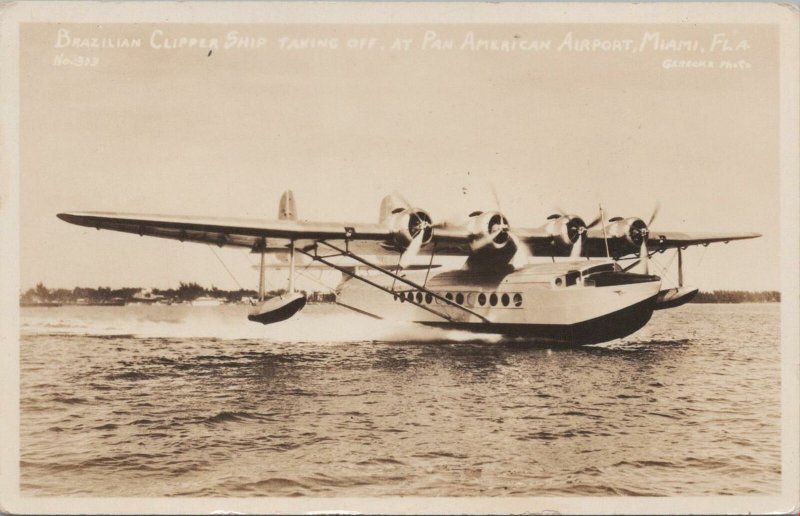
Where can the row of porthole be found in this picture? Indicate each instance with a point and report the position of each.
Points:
(505, 299)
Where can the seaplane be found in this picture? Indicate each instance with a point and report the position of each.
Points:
(582, 295)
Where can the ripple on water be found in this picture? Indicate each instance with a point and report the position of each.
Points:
(689, 406)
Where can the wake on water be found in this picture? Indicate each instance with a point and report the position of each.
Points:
(314, 324)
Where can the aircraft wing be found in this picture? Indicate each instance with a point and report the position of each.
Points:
(541, 243)
(274, 235)
(365, 238)
(225, 232)
(672, 239)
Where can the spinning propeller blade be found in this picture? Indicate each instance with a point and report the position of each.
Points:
(496, 198)
(577, 247)
(655, 213)
(522, 255)
(487, 239)
(412, 250)
(643, 265)
(644, 256)
(415, 245)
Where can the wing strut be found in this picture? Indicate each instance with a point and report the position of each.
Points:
(291, 268)
(346, 252)
(279, 308)
(261, 278)
(605, 237)
(680, 267)
(430, 264)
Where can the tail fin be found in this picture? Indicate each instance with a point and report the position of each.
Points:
(388, 205)
(287, 209)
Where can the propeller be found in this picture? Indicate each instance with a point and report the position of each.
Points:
(413, 248)
(522, 255)
(489, 238)
(595, 222)
(643, 265)
(572, 229)
(496, 198)
(655, 213)
(418, 227)
(635, 231)
(577, 247)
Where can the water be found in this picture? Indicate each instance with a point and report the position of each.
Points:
(156, 400)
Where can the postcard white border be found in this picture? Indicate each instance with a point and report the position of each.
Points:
(785, 16)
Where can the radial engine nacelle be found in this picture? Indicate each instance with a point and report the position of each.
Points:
(489, 230)
(405, 224)
(633, 230)
(565, 229)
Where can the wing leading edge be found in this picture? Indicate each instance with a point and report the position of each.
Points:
(269, 235)
(541, 243)
(226, 232)
(368, 238)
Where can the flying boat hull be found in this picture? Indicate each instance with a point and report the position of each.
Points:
(533, 303)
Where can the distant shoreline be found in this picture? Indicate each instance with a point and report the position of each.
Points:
(738, 296)
(192, 293)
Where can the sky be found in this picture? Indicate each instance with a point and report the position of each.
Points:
(375, 109)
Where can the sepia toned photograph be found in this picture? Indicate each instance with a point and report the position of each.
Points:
(399, 258)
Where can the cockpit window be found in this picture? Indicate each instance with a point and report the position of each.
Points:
(606, 267)
(572, 277)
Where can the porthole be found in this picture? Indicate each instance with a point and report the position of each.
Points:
(493, 300)
(505, 300)
(428, 298)
(449, 296)
(419, 297)
(460, 298)
(482, 299)
(409, 296)
(559, 281)
(517, 300)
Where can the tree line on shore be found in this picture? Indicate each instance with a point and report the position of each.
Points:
(738, 296)
(188, 292)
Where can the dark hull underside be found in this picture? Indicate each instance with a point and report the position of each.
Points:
(601, 329)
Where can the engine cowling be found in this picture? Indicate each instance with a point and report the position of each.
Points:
(633, 230)
(405, 224)
(489, 230)
(565, 229)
